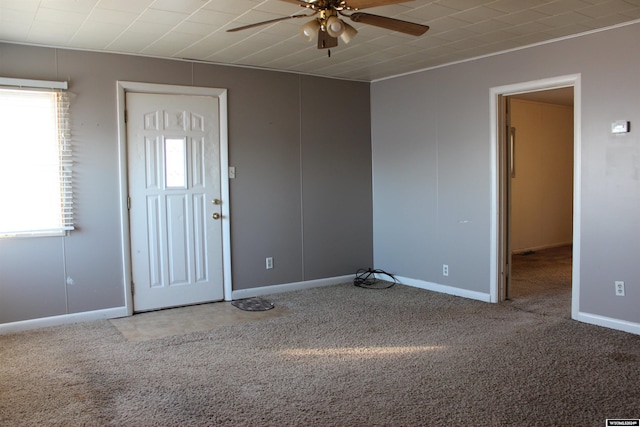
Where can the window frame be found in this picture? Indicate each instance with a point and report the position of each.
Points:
(64, 154)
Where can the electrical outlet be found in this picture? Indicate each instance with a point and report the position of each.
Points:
(445, 269)
(619, 288)
(269, 263)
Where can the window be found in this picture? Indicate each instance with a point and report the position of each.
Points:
(35, 163)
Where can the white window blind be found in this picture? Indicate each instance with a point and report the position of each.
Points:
(35, 163)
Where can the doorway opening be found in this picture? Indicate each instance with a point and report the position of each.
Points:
(541, 200)
(537, 212)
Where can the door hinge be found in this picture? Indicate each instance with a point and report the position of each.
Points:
(129, 202)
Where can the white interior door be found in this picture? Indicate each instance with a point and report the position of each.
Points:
(173, 148)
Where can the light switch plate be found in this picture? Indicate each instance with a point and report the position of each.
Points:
(620, 126)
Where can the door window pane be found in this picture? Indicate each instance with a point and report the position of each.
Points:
(175, 158)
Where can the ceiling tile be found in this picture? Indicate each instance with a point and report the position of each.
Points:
(75, 6)
(529, 28)
(495, 36)
(232, 6)
(432, 11)
(163, 17)
(18, 17)
(93, 34)
(13, 32)
(50, 32)
(60, 17)
(170, 44)
(511, 6)
(477, 14)
(111, 16)
(20, 5)
(564, 19)
(211, 17)
(136, 6)
(559, 7)
(522, 17)
(463, 4)
(182, 6)
(567, 30)
(606, 9)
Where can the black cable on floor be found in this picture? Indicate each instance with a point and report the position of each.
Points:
(367, 278)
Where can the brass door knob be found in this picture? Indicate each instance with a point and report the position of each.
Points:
(215, 215)
(216, 201)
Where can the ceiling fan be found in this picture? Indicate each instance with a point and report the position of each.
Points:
(329, 26)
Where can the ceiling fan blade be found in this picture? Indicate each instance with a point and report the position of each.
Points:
(390, 23)
(364, 4)
(271, 21)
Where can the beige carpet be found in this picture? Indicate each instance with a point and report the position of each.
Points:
(346, 356)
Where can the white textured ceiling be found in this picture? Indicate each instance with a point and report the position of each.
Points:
(196, 29)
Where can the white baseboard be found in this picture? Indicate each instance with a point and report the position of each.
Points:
(286, 287)
(608, 322)
(44, 322)
(430, 286)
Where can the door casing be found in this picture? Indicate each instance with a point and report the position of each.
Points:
(498, 255)
(122, 88)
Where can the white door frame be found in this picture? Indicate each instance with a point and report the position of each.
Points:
(123, 87)
(572, 80)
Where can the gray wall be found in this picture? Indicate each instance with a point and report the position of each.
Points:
(432, 174)
(297, 196)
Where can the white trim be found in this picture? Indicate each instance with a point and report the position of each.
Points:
(577, 196)
(65, 319)
(122, 88)
(293, 286)
(225, 193)
(572, 80)
(124, 213)
(444, 289)
(608, 322)
(39, 84)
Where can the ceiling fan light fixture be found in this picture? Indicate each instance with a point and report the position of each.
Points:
(334, 26)
(348, 33)
(310, 29)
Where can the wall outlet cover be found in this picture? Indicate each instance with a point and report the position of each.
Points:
(619, 288)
